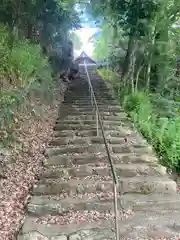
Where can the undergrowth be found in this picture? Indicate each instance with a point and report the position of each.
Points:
(161, 130)
(24, 74)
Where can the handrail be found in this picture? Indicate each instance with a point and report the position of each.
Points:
(99, 120)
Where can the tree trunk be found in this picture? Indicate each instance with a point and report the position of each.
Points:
(29, 30)
(132, 68)
(160, 70)
(137, 76)
(151, 52)
(129, 60)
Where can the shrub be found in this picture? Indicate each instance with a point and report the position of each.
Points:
(162, 133)
(27, 63)
(107, 75)
(167, 141)
(23, 71)
(132, 101)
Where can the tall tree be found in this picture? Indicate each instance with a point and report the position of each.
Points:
(147, 26)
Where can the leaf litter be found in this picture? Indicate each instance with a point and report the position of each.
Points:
(25, 167)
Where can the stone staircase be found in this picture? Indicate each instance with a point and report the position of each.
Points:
(74, 197)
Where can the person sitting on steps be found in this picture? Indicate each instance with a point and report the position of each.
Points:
(73, 71)
(71, 75)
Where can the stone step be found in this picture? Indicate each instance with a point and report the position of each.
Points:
(124, 132)
(98, 98)
(97, 159)
(57, 186)
(81, 91)
(40, 206)
(101, 91)
(100, 86)
(88, 103)
(81, 88)
(132, 147)
(95, 148)
(144, 185)
(75, 133)
(107, 125)
(89, 108)
(100, 103)
(57, 141)
(87, 100)
(96, 88)
(122, 170)
(75, 94)
(92, 116)
(32, 230)
(101, 106)
(69, 141)
(117, 140)
(67, 122)
(149, 225)
(54, 205)
(71, 149)
(89, 113)
(61, 127)
(65, 178)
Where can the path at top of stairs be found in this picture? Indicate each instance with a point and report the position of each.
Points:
(74, 197)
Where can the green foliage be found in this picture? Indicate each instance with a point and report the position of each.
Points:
(162, 133)
(111, 77)
(107, 75)
(10, 100)
(33, 41)
(149, 113)
(73, 36)
(102, 42)
(143, 41)
(147, 62)
(44, 22)
(23, 69)
(23, 63)
(27, 63)
(133, 101)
